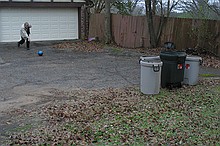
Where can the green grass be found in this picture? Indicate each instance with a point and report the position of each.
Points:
(116, 50)
(208, 75)
(166, 120)
(190, 118)
(23, 128)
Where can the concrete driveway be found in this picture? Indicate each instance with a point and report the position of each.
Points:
(26, 78)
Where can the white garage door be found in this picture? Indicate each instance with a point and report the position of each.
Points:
(47, 23)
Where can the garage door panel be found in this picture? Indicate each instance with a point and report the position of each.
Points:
(47, 24)
(15, 19)
(54, 26)
(44, 35)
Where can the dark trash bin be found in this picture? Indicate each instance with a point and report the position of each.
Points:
(172, 73)
(169, 45)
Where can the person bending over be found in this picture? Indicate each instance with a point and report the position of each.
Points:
(25, 32)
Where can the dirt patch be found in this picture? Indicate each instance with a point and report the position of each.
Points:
(25, 95)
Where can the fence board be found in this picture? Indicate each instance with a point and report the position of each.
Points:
(132, 31)
(96, 26)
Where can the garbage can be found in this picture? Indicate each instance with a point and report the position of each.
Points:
(172, 73)
(150, 75)
(169, 45)
(191, 73)
(150, 58)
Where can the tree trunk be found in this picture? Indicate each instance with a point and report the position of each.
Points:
(107, 22)
(149, 14)
(154, 7)
(163, 21)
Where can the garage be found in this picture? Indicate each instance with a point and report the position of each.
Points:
(48, 22)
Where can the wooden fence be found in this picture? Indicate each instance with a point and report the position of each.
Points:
(132, 31)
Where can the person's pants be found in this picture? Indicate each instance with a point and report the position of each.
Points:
(23, 40)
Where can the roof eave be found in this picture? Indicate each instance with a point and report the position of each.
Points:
(42, 4)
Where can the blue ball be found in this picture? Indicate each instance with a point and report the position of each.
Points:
(40, 53)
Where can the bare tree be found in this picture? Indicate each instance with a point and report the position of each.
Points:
(107, 22)
(149, 14)
(162, 9)
(123, 6)
(216, 8)
(203, 10)
(126, 7)
(99, 6)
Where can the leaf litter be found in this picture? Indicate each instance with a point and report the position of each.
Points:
(83, 46)
(125, 116)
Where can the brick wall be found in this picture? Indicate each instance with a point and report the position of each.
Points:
(84, 22)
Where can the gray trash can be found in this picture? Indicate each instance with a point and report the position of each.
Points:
(191, 73)
(150, 74)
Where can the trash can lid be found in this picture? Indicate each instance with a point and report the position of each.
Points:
(193, 58)
(172, 55)
(150, 58)
(151, 63)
